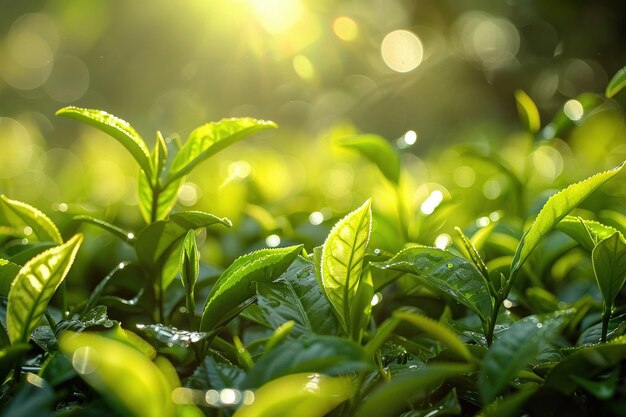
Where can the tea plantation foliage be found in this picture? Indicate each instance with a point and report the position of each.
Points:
(519, 312)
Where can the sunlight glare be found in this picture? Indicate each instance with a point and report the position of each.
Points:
(276, 16)
(402, 50)
(345, 28)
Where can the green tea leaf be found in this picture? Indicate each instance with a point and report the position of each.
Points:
(329, 355)
(166, 198)
(617, 83)
(394, 396)
(235, 285)
(211, 138)
(303, 395)
(585, 232)
(297, 296)
(114, 230)
(8, 272)
(280, 334)
(215, 375)
(527, 111)
(511, 405)
(447, 273)
(609, 267)
(142, 392)
(24, 214)
(159, 157)
(342, 261)
(158, 239)
(473, 253)
(34, 286)
(378, 151)
(361, 307)
(119, 129)
(189, 263)
(555, 209)
(586, 362)
(437, 330)
(513, 349)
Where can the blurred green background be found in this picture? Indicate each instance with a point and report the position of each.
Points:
(429, 76)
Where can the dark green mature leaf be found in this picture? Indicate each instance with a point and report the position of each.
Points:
(586, 362)
(609, 267)
(593, 334)
(166, 198)
(378, 151)
(527, 111)
(158, 239)
(25, 215)
(555, 209)
(342, 261)
(325, 354)
(297, 296)
(585, 232)
(8, 271)
(513, 349)
(236, 284)
(215, 375)
(34, 286)
(617, 83)
(303, 395)
(211, 138)
(447, 406)
(116, 231)
(119, 129)
(24, 253)
(392, 397)
(447, 273)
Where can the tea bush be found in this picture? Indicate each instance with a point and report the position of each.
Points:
(520, 312)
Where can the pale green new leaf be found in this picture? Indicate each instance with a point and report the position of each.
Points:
(585, 232)
(555, 209)
(211, 138)
(42, 227)
(617, 83)
(166, 198)
(527, 110)
(437, 330)
(189, 263)
(342, 260)
(119, 129)
(158, 239)
(378, 151)
(304, 395)
(513, 349)
(34, 286)
(473, 253)
(124, 376)
(236, 284)
(447, 273)
(609, 266)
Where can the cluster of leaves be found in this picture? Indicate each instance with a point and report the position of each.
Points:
(342, 331)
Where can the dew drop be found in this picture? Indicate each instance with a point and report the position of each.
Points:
(449, 266)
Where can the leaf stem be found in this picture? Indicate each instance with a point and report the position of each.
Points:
(606, 316)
